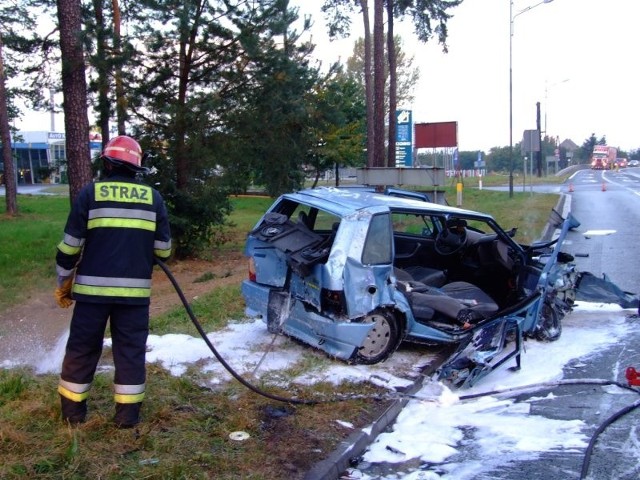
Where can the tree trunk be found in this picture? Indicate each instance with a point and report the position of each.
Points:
(368, 83)
(74, 91)
(180, 126)
(104, 105)
(393, 87)
(121, 98)
(5, 138)
(378, 83)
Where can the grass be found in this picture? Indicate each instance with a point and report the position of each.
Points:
(212, 310)
(27, 256)
(529, 213)
(186, 425)
(185, 434)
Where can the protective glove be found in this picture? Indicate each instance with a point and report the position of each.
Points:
(63, 293)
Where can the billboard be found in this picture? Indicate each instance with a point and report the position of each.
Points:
(436, 135)
(404, 138)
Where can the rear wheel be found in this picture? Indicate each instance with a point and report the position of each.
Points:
(550, 324)
(382, 340)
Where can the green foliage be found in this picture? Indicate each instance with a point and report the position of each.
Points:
(339, 111)
(238, 111)
(276, 121)
(197, 216)
(407, 74)
(427, 12)
(27, 57)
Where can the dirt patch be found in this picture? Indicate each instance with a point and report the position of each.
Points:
(196, 277)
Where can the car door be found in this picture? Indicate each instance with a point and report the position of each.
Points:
(368, 263)
(414, 238)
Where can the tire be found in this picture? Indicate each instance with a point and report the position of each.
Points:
(382, 341)
(549, 326)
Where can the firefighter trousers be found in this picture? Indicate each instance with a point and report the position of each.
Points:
(129, 326)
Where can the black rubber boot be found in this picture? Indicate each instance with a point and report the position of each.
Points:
(127, 415)
(73, 412)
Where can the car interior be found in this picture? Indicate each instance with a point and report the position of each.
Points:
(452, 273)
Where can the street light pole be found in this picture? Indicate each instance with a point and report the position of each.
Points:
(510, 98)
(512, 17)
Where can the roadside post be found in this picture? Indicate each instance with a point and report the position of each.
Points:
(479, 165)
(530, 145)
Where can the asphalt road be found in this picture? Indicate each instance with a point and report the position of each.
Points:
(608, 206)
(615, 451)
(37, 189)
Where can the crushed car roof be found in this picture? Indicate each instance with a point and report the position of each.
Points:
(344, 201)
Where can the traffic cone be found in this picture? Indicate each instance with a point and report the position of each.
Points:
(571, 187)
(604, 186)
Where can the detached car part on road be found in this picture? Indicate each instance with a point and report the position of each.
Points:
(355, 273)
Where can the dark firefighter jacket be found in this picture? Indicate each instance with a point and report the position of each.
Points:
(115, 228)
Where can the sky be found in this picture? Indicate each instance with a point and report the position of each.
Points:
(437, 417)
(575, 57)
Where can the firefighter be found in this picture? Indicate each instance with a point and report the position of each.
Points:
(105, 262)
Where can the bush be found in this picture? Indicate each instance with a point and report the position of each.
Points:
(197, 216)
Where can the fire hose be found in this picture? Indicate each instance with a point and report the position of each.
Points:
(215, 352)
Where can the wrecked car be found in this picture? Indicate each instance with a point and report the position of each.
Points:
(355, 273)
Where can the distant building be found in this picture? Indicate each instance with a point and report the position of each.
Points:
(40, 156)
(570, 148)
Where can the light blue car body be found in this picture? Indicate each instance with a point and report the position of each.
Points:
(332, 297)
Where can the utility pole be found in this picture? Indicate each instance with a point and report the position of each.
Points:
(539, 152)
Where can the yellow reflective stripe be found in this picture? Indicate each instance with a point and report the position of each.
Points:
(162, 249)
(123, 192)
(162, 253)
(122, 223)
(68, 249)
(128, 398)
(131, 292)
(75, 397)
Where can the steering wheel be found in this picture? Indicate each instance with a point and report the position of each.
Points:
(450, 241)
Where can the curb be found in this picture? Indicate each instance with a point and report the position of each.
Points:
(352, 447)
(563, 207)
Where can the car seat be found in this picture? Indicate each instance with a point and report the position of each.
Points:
(461, 302)
(426, 275)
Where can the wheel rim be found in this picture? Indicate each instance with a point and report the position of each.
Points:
(379, 336)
